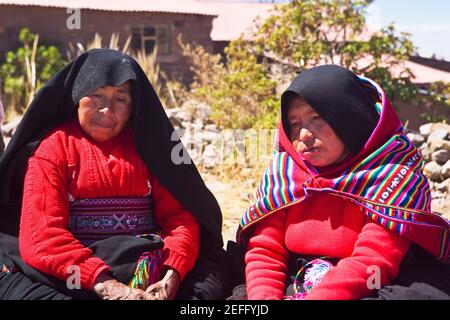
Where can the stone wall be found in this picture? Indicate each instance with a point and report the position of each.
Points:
(206, 145)
(433, 142)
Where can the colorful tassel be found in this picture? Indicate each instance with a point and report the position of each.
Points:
(148, 270)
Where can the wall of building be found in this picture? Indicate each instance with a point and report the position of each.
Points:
(50, 24)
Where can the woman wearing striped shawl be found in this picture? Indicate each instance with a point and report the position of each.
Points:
(343, 211)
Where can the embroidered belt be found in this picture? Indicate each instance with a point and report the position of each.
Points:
(95, 219)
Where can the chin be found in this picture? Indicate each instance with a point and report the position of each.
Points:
(317, 162)
(102, 138)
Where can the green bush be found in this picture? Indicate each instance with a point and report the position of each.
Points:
(26, 69)
(244, 91)
(240, 92)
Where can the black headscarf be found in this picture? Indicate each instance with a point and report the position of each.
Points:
(340, 98)
(57, 102)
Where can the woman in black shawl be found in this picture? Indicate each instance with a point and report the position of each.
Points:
(154, 140)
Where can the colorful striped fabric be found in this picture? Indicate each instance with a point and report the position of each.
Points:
(388, 186)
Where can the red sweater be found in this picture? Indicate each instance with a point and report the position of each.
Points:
(337, 229)
(68, 161)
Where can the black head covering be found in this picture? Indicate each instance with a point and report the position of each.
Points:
(57, 101)
(340, 98)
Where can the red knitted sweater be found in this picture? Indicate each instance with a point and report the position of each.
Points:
(67, 162)
(324, 226)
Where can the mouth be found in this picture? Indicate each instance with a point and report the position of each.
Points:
(310, 150)
(105, 125)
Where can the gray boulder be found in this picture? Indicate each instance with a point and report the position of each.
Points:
(433, 171)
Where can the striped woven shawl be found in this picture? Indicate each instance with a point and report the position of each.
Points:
(388, 186)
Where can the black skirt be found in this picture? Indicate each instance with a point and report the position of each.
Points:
(421, 277)
(209, 280)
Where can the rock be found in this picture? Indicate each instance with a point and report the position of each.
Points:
(175, 122)
(445, 170)
(439, 205)
(441, 156)
(209, 136)
(433, 171)
(415, 138)
(211, 127)
(425, 152)
(425, 129)
(186, 125)
(439, 134)
(440, 125)
(210, 157)
(248, 197)
(184, 116)
(203, 111)
(198, 110)
(443, 187)
(439, 144)
(435, 194)
(197, 125)
(199, 122)
(172, 111)
(10, 127)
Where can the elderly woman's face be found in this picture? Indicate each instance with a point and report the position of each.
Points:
(312, 137)
(104, 112)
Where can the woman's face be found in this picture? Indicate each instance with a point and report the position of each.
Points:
(312, 137)
(104, 112)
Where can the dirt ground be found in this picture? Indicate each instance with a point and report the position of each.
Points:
(233, 199)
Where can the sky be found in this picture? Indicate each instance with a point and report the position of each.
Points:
(428, 22)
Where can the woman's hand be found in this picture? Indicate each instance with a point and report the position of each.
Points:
(109, 288)
(167, 287)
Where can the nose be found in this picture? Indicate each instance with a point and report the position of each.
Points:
(106, 107)
(105, 111)
(307, 137)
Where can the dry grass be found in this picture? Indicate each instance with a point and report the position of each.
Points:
(234, 187)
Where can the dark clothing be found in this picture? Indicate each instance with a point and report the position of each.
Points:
(340, 98)
(2, 143)
(209, 280)
(155, 139)
(17, 286)
(421, 277)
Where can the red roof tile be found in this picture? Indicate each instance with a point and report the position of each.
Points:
(171, 6)
(234, 18)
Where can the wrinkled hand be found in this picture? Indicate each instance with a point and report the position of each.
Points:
(167, 287)
(108, 288)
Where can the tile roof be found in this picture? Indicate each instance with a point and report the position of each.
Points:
(234, 18)
(170, 6)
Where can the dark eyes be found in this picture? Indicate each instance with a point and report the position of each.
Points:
(120, 99)
(312, 119)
